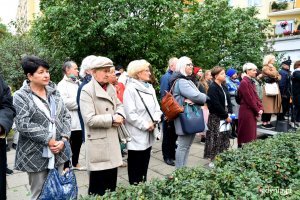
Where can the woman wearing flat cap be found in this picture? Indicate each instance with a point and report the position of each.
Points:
(102, 113)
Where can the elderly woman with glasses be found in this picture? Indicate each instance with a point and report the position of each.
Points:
(142, 116)
(185, 91)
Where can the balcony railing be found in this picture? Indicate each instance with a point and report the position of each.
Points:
(276, 6)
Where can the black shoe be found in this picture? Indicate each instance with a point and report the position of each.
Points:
(169, 162)
(14, 146)
(267, 126)
(7, 148)
(9, 171)
(202, 140)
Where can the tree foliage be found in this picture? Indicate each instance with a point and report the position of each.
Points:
(211, 33)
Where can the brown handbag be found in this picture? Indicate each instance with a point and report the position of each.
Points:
(170, 106)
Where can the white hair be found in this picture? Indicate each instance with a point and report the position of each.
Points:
(248, 66)
(86, 64)
(181, 64)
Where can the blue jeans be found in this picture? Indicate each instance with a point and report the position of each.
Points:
(183, 149)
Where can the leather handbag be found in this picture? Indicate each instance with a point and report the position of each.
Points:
(62, 187)
(192, 120)
(170, 106)
(271, 89)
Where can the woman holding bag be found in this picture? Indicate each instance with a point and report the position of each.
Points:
(43, 122)
(142, 115)
(220, 109)
(271, 104)
(185, 91)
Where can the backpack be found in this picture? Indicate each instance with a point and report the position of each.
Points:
(237, 97)
(170, 106)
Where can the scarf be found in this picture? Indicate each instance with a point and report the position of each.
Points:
(51, 115)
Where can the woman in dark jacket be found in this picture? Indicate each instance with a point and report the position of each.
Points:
(220, 108)
(296, 94)
(250, 106)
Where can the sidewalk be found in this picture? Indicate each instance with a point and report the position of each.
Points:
(18, 187)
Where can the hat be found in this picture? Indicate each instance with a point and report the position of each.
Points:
(117, 73)
(248, 66)
(101, 62)
(196, 69)
(86, 64)
(230, 72)
(287, 62)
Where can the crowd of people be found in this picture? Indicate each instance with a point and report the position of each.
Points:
(93, 104)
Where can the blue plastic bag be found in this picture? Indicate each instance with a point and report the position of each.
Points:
(59, 187)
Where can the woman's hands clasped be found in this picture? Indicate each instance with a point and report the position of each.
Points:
(118, 120)
(56, 146)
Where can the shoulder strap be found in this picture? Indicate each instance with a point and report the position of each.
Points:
(145, 105)
(172, 86)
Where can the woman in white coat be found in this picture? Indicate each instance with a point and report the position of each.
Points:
(142, 115)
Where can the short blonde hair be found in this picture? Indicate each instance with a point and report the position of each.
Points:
(182, 64)
(136, 66)
(267, 59)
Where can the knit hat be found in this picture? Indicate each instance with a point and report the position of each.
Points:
(230, 72)
(196, 69)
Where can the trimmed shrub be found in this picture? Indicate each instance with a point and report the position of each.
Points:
(264, 169)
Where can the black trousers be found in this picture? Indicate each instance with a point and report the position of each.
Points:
(296, 114)
(75, 142)
(285, 102)
(103, 180)
(234, 126)
(2, 168)
(137, 165)
(266, 117)
(168, 145)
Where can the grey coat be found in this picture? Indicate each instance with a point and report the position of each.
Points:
(32, 124)
(186, 89)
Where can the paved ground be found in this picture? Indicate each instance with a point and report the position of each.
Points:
(18, 188)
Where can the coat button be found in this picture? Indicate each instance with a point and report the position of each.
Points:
(106, 109)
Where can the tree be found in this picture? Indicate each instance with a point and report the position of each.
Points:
(216, 34)
(122, 30)
(212, 33)
(13, 48)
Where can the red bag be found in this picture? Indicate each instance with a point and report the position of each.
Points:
(170, 106)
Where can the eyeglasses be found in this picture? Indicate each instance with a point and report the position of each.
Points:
(190, 65)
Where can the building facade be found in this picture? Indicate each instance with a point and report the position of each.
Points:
(27, 10)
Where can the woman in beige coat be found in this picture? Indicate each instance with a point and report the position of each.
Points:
(271, 104)
(102, 113)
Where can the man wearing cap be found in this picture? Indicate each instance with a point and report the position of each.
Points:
(233, 84)
(7, 114)
(285, 88)
(102, 114)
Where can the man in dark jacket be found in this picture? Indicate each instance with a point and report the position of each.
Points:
(169, 135)
(7, 114)
(285, 87)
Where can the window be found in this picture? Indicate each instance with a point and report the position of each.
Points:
(254, 2)
(279, 29)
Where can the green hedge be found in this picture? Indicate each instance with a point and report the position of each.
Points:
(265, 169)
